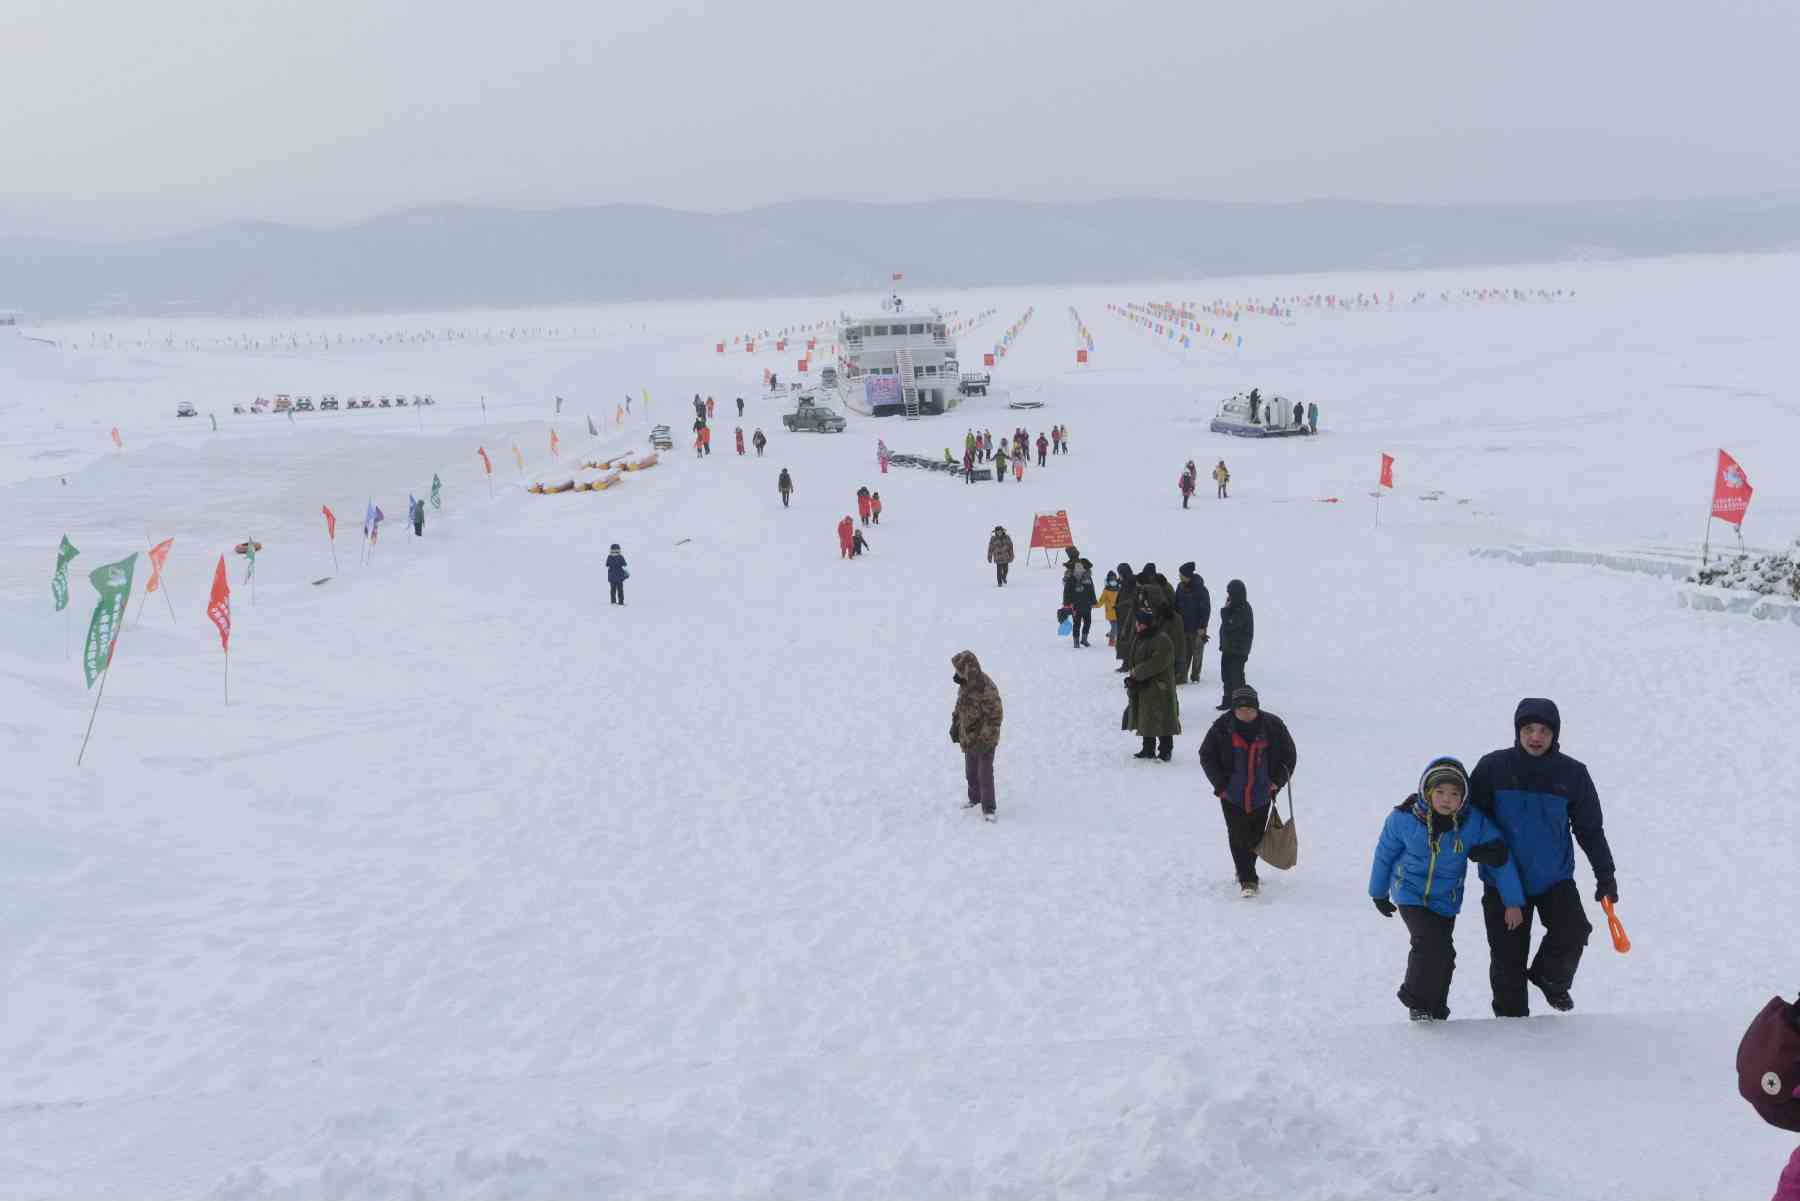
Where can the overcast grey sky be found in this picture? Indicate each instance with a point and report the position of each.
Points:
(123, 118)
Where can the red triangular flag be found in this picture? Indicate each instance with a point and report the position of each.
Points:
(486, 463)
(330, 522)
(1387, 471)
(219, 607)
(1731, 491)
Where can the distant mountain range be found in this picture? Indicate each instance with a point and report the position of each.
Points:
(463, 257)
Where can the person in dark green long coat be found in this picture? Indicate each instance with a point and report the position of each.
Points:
(1152, 709)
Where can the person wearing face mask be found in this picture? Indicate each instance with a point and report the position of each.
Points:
(1421, 859)
(1540, 797)
(975, 727)
(1248, 755)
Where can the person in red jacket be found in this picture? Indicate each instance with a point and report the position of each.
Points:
(1043, 448)
(846, 528)
(862, 504)
(706, 438)
(740, 439)
(875, 508)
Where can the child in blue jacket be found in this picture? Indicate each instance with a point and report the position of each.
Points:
(1420, 862)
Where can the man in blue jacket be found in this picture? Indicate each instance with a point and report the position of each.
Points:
(1538, 796)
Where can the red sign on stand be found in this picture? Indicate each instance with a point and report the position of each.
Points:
(1081, 356)
(804, 364)
(1051, 532)
(987, 360)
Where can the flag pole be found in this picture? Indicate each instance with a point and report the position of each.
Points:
(332, 543)
(167, 597)
(104, 676)
(1706, 542)
(227, 677)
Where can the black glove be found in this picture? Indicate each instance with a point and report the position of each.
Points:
(1490, 854)
(954, 736)
(957, 679)
(1384, 905)
(1606, 888)
(1131, 684)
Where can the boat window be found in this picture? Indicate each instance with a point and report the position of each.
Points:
(918, 329)
(880, 331)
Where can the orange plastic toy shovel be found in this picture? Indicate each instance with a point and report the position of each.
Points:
(1621, 943)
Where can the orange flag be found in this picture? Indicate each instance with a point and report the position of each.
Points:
(219, 607)
(1387, 471)
(553, 442)
(330, 522)
(487, 464)
(116, 440)
(158, 553)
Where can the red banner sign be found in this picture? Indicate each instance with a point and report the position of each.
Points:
(1731, 491)
(1051, 530)
(987, 360)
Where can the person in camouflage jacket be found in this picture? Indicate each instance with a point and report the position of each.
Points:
(1000, 554)
(975, 726)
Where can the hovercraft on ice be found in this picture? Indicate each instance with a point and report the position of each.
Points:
(1253, 415)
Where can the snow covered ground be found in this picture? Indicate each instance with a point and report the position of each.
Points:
(484, 888)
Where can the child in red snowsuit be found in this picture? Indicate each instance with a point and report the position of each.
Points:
(875, 508)
(740, 439)
(862, 505)
(846, 528)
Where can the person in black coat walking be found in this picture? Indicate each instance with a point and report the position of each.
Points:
(1079, 596)
(1237, 630)
(615, 575)
(1194, 604)
(1248, 755)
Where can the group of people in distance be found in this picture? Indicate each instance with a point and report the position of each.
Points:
(1190, 477)
(979, 447)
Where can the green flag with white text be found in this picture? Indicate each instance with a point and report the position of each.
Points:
(59, 583)
(113, 583)
(437, 491)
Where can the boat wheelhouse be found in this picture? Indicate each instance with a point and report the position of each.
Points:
(896, 364)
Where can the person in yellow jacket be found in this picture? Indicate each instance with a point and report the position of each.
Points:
(1109, 600)
(1222, 477)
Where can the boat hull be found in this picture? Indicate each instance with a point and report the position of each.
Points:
(1239, 430)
